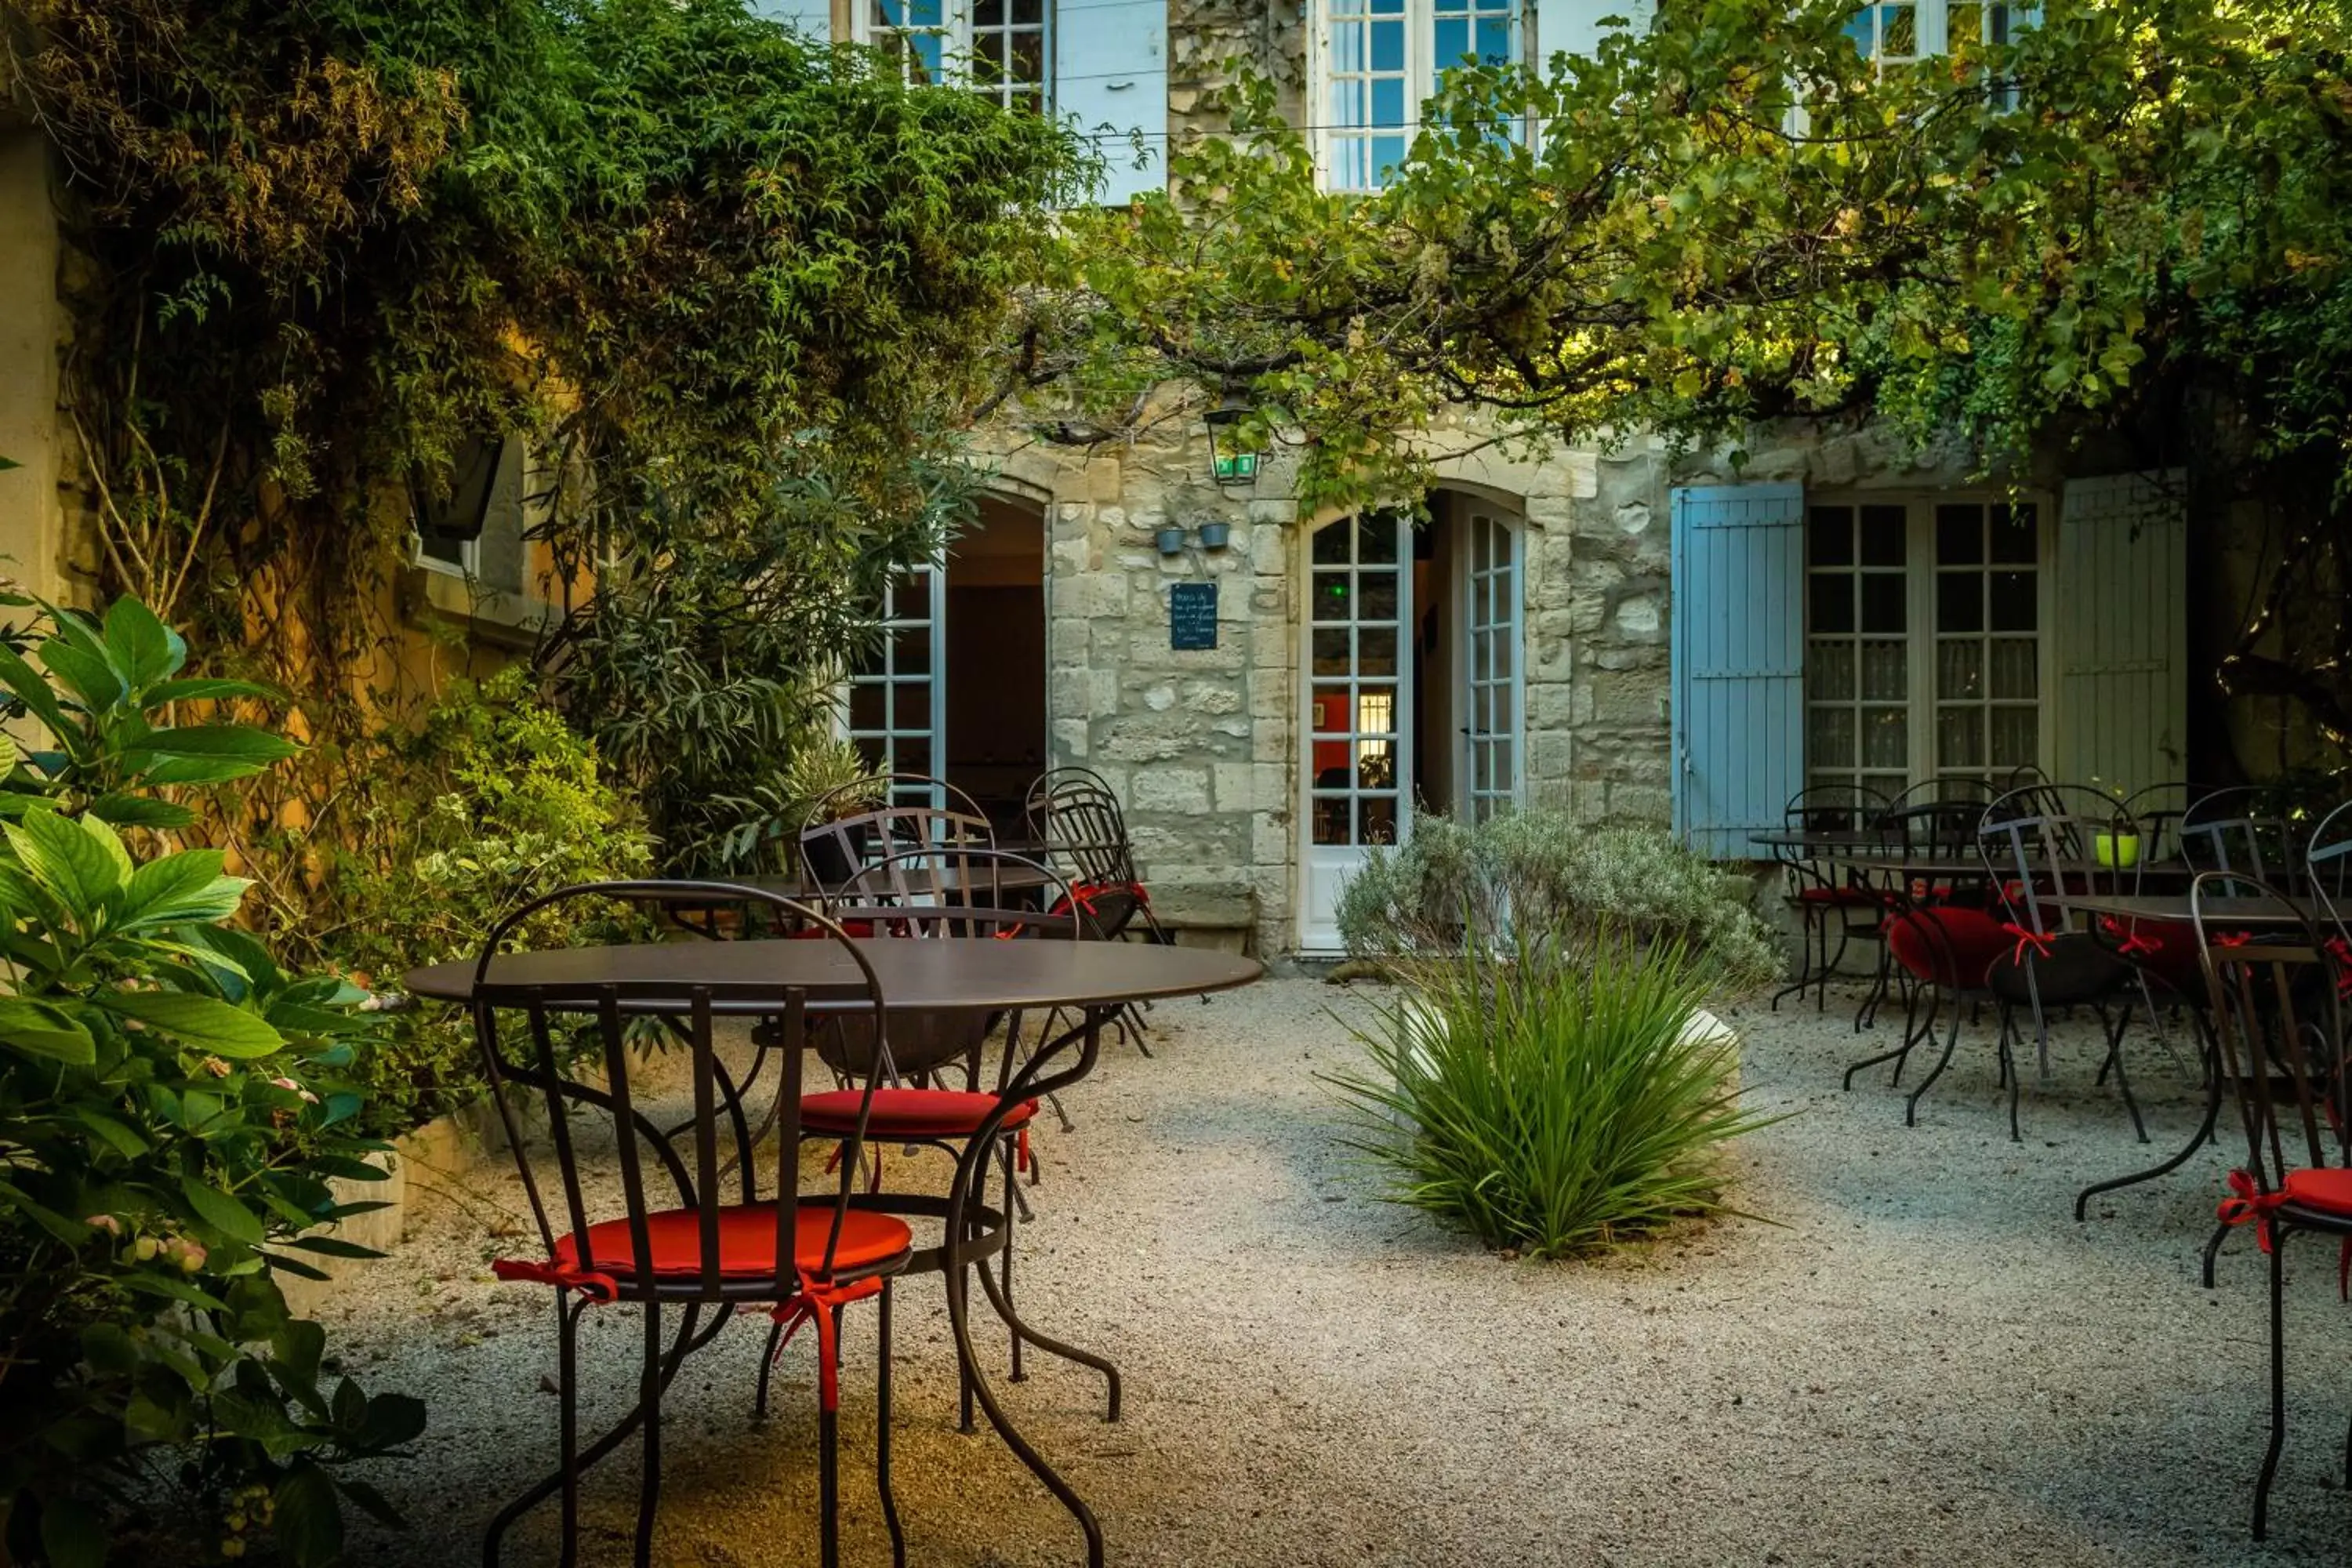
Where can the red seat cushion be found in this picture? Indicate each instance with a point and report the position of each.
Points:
(2328, 1191)
(1972, 941)
(910, 1113)
(746, 1242)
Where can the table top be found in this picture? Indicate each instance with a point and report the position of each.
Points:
(2233, 912)
(917, 974)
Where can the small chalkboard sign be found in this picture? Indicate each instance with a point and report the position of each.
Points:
(1191, 614)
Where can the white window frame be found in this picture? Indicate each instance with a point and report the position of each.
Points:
(1921, 636)
(958, 32)
(1932, 23)
(1420, 70)
(468, 564)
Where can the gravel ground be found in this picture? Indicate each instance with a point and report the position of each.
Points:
(1914, 1354)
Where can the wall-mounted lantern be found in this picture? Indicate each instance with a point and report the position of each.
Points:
(1230, 462)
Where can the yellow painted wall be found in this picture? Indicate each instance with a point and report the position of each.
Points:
(32, 327)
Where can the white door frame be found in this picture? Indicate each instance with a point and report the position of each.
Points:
(1322, 868)
(1477, 589)
(933, 730)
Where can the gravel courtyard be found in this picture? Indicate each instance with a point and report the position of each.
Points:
(1912, 1355)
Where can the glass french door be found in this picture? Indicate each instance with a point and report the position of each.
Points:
(1490, 773)
(899, 702)
(1354, 764)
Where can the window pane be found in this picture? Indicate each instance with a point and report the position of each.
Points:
(1333, 712)
(911, 754)
(1450, 41)
(1960, 535)
(1885, 671)
(1960, 739)
(1330, 819)
(2015, 673)
(1377, 594)
(1388, 107)
(1829, 536)
(1378, 819)
(1388, 51)
(1330, 651)
(1829, 671)
(1376, 650)
(1886, 737)
(1833, 603)
(1960, 671)
(1330, 548)
(1375, 764)
(1376, 539)
(2013, 609)
(1501, 721)
(1494, 41)
(1886, 536)
(2015, 538)
(1333, 598)
(1959, 602)
(1882, 594)
(1898, 32)
(911, 598)
(1829, 738)
(910, 705)
(865, 698)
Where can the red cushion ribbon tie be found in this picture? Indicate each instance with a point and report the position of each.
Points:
(1021, 1151)
(816, 1303)
(2232, 938)
(2338, 949)
(2248, 1203)
(599, 1287)
(2027, 939)
(2132, 942)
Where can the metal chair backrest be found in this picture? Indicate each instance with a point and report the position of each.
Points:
(1037, 806)
(1943, 829)
(896, 789)
(1833, 809)
(2327, 869)
(1944, 789)
(2277, 1012)
(568, 1024)
(2234, 830)
(2041, 857)
(2159, 808)
(832, 852)
(958, 890)
(1085, 829)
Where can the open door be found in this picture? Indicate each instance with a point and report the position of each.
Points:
(1354, 764)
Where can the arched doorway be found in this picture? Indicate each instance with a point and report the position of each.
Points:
(1413, 685)
(959, 690)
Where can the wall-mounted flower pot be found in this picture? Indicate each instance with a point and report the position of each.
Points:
(1216, 535)
(2117, 851)
(1171, 541)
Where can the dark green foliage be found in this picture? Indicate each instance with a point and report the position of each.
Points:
(1554, 1097)
(172, 1107)
(491, 802)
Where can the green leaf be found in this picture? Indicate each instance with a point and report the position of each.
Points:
(72, 1534)
(108, 1349)
(72, 1232)
(184, 887)
(199, 1023)
(122, 1138)
(205, 689)
(88, 674)
(75, 866)
(143, 647)
(310, 1517)
(216, 742)
(224, 1212)
(45, 1031)
(140, 811)
(373, 1502)
(335, 1246)
(26, 685)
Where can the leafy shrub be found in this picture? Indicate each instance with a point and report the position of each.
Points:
(1540, 870)
(492, 802)
(172, 1107)
(1555, 1099)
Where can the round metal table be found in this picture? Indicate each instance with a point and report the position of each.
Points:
(747, 979)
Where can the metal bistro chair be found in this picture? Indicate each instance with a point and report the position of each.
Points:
(673, 1237)
(1081, 824)
(2327, 868)
(2042, 859)
(1825, 902)
(1934, 830)
(833, 850)
(2279, 1020)
(1945, 952)
(924, 1114)
(2234, 829)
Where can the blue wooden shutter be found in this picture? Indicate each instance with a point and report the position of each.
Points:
(2122, 710)
(1110, 75)
(813, 17)
(1738, 662)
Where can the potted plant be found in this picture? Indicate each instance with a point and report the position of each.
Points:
(827, 780)
(2118, 847)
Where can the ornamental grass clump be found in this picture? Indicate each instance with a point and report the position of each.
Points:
(1556, 1098)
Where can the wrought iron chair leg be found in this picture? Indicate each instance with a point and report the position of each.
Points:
(1806, 925)
(1012, 1192)
(767, 1366)
(567, 1377)
(2123, 1078)
(2278, 1383)
(650, 1383)
(882, 1436)
(2212, 1086)
(828, 1485)
(1912, 1034)
(2213, 1250)
(1951, 1044)
(2011, 1071)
